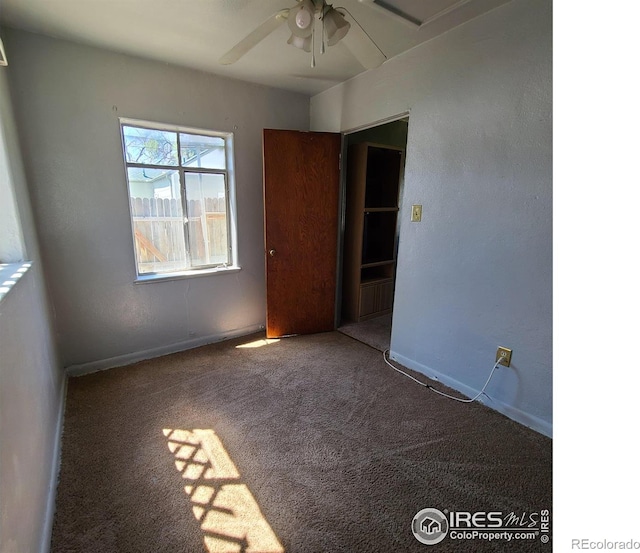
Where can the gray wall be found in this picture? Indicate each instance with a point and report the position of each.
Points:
(477, 272)
(31, 377)
(12, 246)
(68, 99)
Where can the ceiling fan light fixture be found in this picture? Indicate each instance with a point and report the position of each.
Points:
(299, 42)
(335, 26)
(300, 19)
(301, 22)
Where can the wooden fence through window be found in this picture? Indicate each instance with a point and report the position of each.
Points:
(159, 233)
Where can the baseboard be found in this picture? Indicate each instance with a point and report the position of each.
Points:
(134, 357)
(531, 421)
(56, 461)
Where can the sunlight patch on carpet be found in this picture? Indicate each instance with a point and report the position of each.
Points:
(258, 343)
(229, 516)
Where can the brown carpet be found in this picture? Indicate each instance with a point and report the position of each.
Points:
(308, 444)
(374, 332)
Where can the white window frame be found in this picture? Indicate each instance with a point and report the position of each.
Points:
(230, 195)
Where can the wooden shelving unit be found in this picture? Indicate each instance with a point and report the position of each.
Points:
(373, 179)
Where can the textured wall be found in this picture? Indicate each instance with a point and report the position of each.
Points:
(68, 99)
(31, 377)
(11, 244)
(477, 272)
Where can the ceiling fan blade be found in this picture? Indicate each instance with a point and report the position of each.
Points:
(359, 43)
(254, 37)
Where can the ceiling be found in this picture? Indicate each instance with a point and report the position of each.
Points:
(196, 33)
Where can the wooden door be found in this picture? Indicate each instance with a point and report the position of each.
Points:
(301, 202)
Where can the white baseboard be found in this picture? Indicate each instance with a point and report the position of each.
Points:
(535, 423)
(56, 461)
(134, 357)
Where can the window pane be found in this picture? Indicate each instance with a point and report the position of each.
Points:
(150, 146)
(202, 151)
(158, 222)
(207, 212)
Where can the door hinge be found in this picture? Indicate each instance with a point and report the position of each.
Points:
(339, 162)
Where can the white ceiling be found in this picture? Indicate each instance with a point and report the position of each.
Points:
(195, 33)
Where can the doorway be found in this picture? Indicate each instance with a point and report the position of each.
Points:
(372, 192)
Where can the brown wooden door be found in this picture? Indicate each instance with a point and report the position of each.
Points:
(301, 195)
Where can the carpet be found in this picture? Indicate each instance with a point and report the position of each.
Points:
(305, 444)
(374, 332)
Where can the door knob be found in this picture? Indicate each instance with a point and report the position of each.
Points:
(272, 253)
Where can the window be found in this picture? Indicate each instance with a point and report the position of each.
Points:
(180, 184)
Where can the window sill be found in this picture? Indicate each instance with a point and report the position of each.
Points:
(145, 279)
(10, 274)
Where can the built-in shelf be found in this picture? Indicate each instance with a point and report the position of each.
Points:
(374, 280)
(379, 209)
(373, 179)
(377, 271)
(378, 236)
(383, 172)
(378, 263)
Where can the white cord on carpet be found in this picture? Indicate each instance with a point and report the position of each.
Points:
(386, 360)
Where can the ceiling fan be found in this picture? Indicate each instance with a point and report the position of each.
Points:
(301, 20)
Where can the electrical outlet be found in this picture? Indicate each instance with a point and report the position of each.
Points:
(416, 213)
(504, 356)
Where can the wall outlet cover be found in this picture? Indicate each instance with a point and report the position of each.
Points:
(504, 356)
